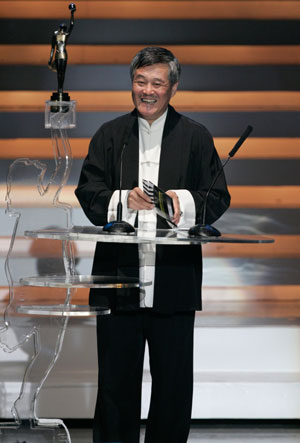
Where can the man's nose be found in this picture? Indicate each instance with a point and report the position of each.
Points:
(148, 89)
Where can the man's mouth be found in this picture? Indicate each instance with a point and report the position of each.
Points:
(148, 100)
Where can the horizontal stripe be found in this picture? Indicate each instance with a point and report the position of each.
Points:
(250, 271)
(258, 148)
(20, 54)
(285, 246)
(279, 293)
(267, 148)
(48, 296)
(247, 172)
(43, 248)
(220, 124)
(241, 196)
(265, 196)
(260, 294)
(262, 172)
(116, 78)
(264, 221)
(254, 301)
(245, 310)
(221, 314)
(257, 221)
(217, 272)
(154, 9)
(184, 101)
(167, 32)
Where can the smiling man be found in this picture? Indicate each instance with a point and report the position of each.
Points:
(152, 90)
(177, 154)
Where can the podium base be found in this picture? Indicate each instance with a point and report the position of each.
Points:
(204, 231)
(118, 227)
(36, 431)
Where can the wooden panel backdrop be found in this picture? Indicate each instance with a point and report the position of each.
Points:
(254, 44)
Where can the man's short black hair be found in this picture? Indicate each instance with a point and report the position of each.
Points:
(153, 55)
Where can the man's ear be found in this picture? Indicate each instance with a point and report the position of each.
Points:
(174, 89)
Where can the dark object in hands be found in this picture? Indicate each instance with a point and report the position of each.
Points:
(163, 202)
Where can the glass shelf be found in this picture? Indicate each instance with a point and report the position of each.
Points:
(62, 310)
(82, 281)
(74, 282)
(160, 236)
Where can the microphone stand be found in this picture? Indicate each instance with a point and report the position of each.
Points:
(203, 229)
(120, 226)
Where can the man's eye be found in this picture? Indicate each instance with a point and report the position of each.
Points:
(157, 85)
(141, 83)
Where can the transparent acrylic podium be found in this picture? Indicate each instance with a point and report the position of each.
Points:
(42, 280)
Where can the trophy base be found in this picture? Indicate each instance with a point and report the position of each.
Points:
(60, 114)
(59, 97)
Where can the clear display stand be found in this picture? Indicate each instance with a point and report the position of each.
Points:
(42, 280)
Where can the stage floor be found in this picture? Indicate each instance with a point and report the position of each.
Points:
(254, 433)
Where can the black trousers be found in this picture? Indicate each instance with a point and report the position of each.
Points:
(121, 345)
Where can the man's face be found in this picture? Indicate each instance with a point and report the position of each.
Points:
(152, 91)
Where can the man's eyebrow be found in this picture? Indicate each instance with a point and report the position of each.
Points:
(161, 80)
(139, 76)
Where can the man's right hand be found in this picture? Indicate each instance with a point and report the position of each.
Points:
(138, 200)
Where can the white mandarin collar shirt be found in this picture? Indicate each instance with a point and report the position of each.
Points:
(150, 140)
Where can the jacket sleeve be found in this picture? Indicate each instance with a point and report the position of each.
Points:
(94, 189)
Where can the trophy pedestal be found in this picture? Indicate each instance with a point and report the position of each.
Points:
(60, 114)
(60, 97)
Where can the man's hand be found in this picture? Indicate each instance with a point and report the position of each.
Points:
(138, 200)
(176, 205)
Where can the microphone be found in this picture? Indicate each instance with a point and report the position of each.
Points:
(202, 229)
(239, 143)
(120, 226)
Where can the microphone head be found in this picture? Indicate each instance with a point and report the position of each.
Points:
(248, 131)
(241, 140)
(72, 7)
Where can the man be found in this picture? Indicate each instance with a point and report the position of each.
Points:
(178, 155)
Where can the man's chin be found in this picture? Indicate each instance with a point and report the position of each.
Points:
(147, 114)
(147, 108)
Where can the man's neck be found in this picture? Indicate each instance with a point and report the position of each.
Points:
(158, 119)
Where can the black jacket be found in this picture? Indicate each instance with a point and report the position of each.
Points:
(188, 161)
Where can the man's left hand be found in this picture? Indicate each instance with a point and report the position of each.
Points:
(176, 205)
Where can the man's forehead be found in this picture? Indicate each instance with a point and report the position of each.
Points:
(158, 69)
